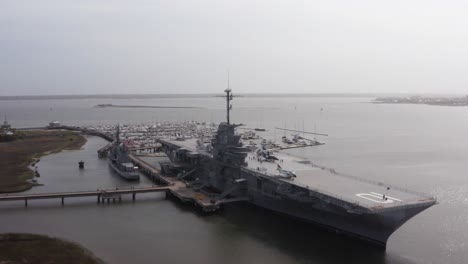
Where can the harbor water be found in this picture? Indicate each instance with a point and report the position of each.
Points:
(418, 147)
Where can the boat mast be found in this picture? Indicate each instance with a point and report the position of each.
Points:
(117, 134)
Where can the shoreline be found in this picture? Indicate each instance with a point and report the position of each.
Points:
(34, 248)
(21, 155)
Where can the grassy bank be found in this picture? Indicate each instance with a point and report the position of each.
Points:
(16, 156)
(29, 248)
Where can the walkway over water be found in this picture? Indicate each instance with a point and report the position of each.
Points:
(102, 194)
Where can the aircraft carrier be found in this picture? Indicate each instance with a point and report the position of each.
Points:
(362, 208)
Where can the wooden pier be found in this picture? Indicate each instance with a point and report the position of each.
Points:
(101, 195)
(179, 189)
(102, 152)
(153, 173)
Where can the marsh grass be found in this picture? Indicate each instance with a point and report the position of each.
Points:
(16, 156)
(30, 248)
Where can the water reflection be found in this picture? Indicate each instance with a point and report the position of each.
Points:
(303, 242)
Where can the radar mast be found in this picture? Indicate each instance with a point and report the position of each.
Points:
(229, 97)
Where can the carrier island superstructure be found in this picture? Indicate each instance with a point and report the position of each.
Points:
(368, 210)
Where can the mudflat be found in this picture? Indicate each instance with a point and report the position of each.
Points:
(17, 155)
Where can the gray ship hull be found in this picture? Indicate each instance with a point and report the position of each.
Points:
(375, 228)
(119, 161)
(340, 203)
(129, 176)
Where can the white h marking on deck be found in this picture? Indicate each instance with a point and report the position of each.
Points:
(378, 198)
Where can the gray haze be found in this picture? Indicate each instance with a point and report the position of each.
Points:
(174, 46)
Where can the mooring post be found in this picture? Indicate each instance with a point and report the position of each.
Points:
(98, 198)
(120, 199)
(113, 200)
(133, 196)
(25, 202)
(63, 201)
(108, 200)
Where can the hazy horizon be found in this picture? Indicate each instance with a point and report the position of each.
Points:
(209, 95)
(53, 47)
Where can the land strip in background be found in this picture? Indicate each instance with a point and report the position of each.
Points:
(433, 100)
(143, 106)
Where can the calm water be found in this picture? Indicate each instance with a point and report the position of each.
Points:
(423, 148)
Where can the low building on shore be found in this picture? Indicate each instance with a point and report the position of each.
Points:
(6, 132)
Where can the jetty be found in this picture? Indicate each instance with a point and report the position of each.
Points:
(146, 106)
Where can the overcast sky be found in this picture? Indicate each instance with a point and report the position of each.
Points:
(149, 46)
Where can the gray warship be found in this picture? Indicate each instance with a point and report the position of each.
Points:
(119, 160)
(368, 210)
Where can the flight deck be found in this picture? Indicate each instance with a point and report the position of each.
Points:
(365, 193)
(354, 190)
